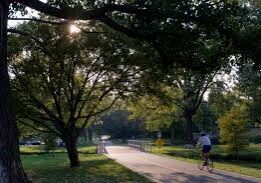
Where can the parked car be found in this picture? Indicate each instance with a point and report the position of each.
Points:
(23, 142)
(30, 142)
(37, 142)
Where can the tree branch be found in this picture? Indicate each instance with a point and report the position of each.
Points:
(53, 92)
(33, 127)
(205, 88)
(111, 23)
(28, 35)
(62, 22)
(35, 120)
(15, 31)
(106, 108)
(80, 13)
(40, 105)
(91, 32)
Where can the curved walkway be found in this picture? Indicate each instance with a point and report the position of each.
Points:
(168, 170)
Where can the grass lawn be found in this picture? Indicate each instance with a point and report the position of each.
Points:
(250, 168)
(46, 168)
(26, 150)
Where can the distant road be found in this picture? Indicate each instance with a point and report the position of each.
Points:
(167, 170)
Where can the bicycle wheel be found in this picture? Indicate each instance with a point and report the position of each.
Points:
(201, 162)
(210, 165)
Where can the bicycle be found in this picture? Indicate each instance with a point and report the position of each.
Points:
(205, 160)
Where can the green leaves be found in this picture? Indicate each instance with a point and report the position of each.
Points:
(248, 84)
(63, 81)
(153, 112)
(233, 127)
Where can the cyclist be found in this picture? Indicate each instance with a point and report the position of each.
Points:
(205, 142)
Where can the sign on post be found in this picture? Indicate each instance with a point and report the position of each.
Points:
(159, 142)
(159, 135)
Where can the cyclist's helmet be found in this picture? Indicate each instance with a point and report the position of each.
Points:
(202, 133)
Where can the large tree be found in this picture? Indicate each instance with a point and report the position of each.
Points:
(185, 90)
(155, 114)
(10, 164)
(211, 16)
(178, 95)
(70, 81)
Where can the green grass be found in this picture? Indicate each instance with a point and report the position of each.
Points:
(243, 167)
(46, 168)
(26, 150)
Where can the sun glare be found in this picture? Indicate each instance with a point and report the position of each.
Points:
(74, 29)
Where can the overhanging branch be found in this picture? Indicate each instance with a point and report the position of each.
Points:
(81, 13)
(62, 22)
(114, 25)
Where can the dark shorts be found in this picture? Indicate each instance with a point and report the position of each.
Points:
(206, 148)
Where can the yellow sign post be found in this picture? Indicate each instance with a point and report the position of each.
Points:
(159, 143)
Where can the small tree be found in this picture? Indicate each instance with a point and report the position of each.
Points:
(233, 128)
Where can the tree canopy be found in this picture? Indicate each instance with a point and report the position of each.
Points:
(195, 27)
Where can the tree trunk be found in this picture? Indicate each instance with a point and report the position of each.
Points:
(236, 146)
(11, 170)
(71, 146)
(188, 130)
(172, 133)
(90, 133)
(85, 135)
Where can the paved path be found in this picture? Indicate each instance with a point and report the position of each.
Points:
(168, 170)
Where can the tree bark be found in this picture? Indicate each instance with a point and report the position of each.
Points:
(90, 133)
(172, 133)
(71, 146)
(85, 135)
(11, 170)
(188, 130)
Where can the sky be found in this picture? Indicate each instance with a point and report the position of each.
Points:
(31, 13)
